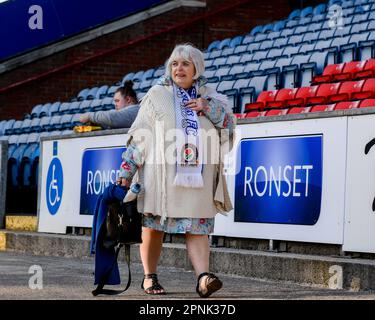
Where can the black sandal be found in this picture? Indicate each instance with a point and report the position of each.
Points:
(155, 284)
(213, 284)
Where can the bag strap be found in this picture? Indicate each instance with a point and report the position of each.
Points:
(99, 289)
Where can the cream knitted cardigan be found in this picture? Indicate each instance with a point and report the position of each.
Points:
(148, 135)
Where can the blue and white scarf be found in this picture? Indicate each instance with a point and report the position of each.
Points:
(188, 144)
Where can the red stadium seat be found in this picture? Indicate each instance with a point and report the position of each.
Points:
(239, 115)
(302, 94)
(322, 108)
(347, 90)
(263, 98)
(282, 96)
(324, 91)
(276, 112)
(297, 110)
(368, 70)
(367, 103)
(329, 72)
(350, 69)
(344, 105)
(368, 90)
(253, 114)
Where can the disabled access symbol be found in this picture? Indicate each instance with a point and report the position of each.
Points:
(54, 187)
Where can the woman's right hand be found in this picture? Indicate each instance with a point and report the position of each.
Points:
(123, 182)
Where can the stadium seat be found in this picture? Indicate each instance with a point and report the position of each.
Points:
(275, 112)
(74, 107)
(281, 98)
(26, 126)
(345, 105)
(367, 90)
(298, 110)
(253, 114)
(346, 91)
(92, 93)
(83, 94)
(65, 107)
(35, 111)
(96, 105)
(329, 72)
(35, 125)
(322, 108)
(54, 108)
(350, 70)
(263, 98)
(111, 91)
(249, 94)
(15, 128)
(324, 91)
(367, 103)
(213, 46)
(127, 77)
(368, 70)
(102, 92)
(253, 32)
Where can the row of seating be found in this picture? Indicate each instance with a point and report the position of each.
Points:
(318, 94)
(343, 105)
(57, 122)
(346, 71)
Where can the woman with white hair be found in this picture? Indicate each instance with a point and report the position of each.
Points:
(179, 168)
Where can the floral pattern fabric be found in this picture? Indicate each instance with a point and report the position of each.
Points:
(180, 225)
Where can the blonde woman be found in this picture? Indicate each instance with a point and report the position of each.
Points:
(181, 193)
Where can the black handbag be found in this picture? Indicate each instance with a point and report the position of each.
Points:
(123, 228)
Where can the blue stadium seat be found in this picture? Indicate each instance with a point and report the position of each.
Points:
(66, 122)
(260, 37)
(26, 126)
(279, 25)
(360, 27)
(145, 85)
(111, 91)
(44, 123)
(227, 52)
(296, 39)
(15, 129)
(75, 120)
(317, 62)
(274, 35)
(15, 152)
(296, 14)
(54, 109)
(360, 18)
(159, 72)
(127, 77)
(82, 95)
(92, 93)
(44, 110)
(107, 104)
(256, 30)
(292, 24)
(348, 52)
(248, 39)
(307, 12)
(307, 48)
(2, 124)
(290, 51)
(240, 49)
(304, 21)
(319, 18)
(85, 106)
(74, 107)
(8, 126)
(252, 47)
(319, 9)
(300, 29)
(137, 77)
(25, 162)
(267, 44)
(54, 123)
(367, 48)
(267, 68)
(280, 42)
(238, 85)
(259, 56)
(148, 74)
(102, 92)
(96, 105)
(213, 46)
(215, 54)
(315, 27)
(290, 75)
(208, 74)
(36, 110)
(224, 44)
(267, 28)
(287, 32)
(223, 71)
(65, 107)
(35, 125)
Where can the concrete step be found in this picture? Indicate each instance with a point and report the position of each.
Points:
(322, 271)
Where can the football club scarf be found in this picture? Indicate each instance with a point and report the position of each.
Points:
(189, 152)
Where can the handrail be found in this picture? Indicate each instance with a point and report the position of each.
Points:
(127, 44)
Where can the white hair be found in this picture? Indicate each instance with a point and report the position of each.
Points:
(189, 53)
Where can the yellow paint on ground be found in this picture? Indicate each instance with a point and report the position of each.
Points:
(3, 241)
(21, 223)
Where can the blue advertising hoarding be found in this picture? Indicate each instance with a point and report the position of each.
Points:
(57, 20)
(100, 167)
(279, 180)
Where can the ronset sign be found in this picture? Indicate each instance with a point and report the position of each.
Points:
(279, 180)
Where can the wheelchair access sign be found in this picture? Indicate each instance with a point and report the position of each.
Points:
(54, 187)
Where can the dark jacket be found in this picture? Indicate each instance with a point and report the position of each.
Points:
(105, 258)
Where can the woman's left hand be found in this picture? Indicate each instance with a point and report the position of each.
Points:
(197, 104)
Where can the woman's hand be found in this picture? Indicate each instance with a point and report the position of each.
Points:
(123, 182)
(197, 104)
